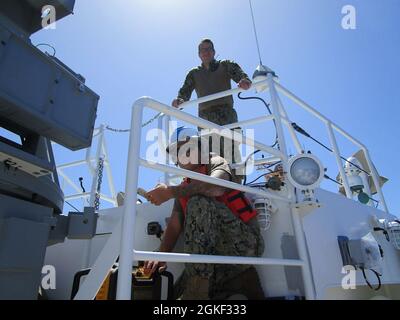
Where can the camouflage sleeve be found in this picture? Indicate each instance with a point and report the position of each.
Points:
(235, 72)
(178, 209)
(188, 86)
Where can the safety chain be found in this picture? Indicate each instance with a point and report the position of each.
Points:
(152, 119)
(143, 125)
(117, 130)
(100, 168)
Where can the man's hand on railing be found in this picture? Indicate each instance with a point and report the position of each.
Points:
(152, 266)
(245, 84)
(177, 102)
(160, 194)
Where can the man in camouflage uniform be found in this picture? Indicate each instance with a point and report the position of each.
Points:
(211, 77)
(209, 227)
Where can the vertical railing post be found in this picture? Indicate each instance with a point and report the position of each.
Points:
(166, 132)
(290, 128)
(367, 189)
(96, 172)
(108, 169)
(278, 120)
(89, 160)
(336, 152)
(297, 224)
(124, 282)
(375, 178)
(88, 243)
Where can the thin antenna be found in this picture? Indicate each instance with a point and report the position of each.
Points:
(255, 31)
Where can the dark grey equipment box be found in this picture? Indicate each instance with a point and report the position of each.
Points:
(27, 14)
(40, 93)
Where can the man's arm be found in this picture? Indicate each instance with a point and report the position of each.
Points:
(163, 193)
(219, 169)
(188, 86)
(235, 72)
(201, 188)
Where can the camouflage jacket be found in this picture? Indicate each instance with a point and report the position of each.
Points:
(233, 70)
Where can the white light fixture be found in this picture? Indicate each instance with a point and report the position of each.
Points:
(369, 185)
(353, 174)
(305, 172)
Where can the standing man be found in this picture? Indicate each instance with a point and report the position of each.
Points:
(210, 77)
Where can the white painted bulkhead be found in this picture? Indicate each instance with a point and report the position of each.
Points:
(338, 216)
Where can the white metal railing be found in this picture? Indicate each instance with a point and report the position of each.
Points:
(330, 127)
(128, 254)
(91, 163)
(88, 198)
(249, 122)
(205, 178)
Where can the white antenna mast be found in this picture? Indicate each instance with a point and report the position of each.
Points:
(255, 30)
(261, 71)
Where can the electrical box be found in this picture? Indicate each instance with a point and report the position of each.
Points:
(364, 252)
(27, 14)
(39, 93)
(82, 225)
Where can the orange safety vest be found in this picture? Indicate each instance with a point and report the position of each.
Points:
(235, 200)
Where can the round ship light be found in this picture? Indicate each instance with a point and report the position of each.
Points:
(305, 171)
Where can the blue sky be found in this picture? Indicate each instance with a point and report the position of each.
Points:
(134, 48)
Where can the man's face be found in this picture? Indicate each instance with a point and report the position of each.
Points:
(206, 52)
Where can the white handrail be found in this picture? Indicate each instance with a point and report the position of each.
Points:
(330, 124)
(222, 131)
(297, 223)
(109, 175)
(288, 123)
(134, 161)
(255, 162)
(317, 114)
(249, 122)
(68, 180)
(87, 246)
(127, 246)
(339, 161)
(127, 252)
(212, 180)
(201, 258)
(92, 165)
(87, 195)
(375, 178)
(222, 94)
(124, 281)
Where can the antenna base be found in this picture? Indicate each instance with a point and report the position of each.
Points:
(260, 74)
(263, 71)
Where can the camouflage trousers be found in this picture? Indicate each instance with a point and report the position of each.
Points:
(221, 115)
(212, 229)
(224, 147)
